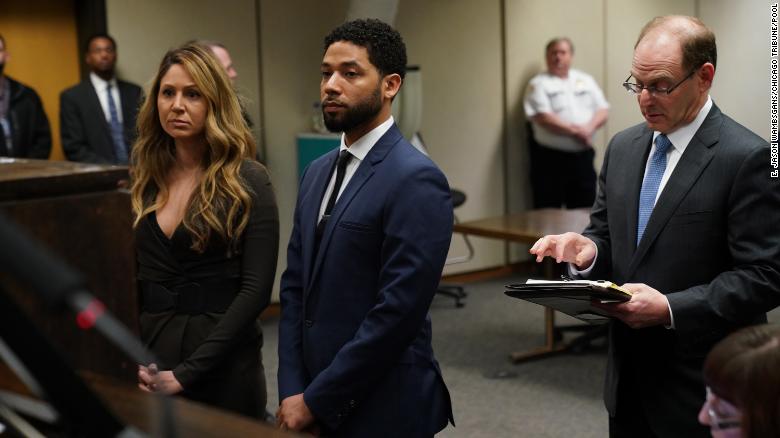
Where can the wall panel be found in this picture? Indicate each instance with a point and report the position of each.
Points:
(741, 87)
(145, 30)
(458, 48)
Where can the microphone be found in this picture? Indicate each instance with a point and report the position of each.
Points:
(62, 287)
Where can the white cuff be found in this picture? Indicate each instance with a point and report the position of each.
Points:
(585, 273)
(671, 315)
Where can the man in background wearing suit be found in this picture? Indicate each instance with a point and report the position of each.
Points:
(24, 127)
(97, 116)
(371, 231)
(687, 215)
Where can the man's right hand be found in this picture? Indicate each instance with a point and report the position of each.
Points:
(293, 414)
(568, 247)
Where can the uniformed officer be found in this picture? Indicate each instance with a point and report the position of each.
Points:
(565, 107)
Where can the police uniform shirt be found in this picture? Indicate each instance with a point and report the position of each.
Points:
(574, 99)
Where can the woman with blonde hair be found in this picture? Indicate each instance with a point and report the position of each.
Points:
(207, 235)
(742, 374)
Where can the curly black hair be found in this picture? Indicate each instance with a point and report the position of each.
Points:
(386, 48)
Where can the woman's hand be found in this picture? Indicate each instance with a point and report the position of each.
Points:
(151, 380)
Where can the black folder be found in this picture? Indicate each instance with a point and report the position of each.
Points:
(571, 297)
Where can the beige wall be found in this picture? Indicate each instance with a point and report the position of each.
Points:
(458, 44)
(529, 25)
(145, 30)
(624, 21)
(291, 35)
(741, 87)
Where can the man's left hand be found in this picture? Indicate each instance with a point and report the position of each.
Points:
(647, 307)
(293, 414)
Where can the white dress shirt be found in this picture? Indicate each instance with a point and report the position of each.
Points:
(359, 150)
(100, 86)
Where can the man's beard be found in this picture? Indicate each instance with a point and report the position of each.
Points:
(354, 116)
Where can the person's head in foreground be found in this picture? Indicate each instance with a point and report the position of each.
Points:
(742, 374)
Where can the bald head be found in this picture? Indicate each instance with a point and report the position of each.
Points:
(223, 56)
(696, 40)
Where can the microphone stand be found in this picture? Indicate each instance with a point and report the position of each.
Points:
(61, 288)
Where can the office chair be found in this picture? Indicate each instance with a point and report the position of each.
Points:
(456, 291)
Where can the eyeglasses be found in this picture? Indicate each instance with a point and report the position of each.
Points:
(633, 88)
(723, 415)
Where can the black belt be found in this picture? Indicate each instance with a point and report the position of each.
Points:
(189, 298)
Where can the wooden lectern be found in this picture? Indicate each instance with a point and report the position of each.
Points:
(79, 212)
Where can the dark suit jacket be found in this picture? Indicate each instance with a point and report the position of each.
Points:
(712, 245)
(86, 135)
(213, 354)
(355, 334)
(31, 136)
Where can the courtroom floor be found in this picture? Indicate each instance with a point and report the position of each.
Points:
(555, 397)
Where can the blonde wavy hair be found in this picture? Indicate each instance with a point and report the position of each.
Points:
(220, 204)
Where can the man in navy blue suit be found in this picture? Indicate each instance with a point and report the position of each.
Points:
(372, 228)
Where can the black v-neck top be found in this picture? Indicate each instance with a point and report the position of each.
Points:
(192, 345)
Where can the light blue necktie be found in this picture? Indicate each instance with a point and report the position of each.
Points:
(116, 130)
(655, 171)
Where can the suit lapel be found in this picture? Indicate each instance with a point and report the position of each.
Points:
(93, 102)
(129, 103)
(363, 173)
(694, 160)
(310, 210)
(126, 101)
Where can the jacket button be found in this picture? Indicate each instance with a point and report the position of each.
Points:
(309, 323)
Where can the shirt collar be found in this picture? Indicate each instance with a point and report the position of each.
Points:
(683, 135)
(363, 145)
(99, 83)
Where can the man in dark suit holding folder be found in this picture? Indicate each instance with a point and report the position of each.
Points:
(687, 215)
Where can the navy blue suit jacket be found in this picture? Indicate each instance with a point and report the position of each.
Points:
(355, 334)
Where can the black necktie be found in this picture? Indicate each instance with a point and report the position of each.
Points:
(341, 169)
